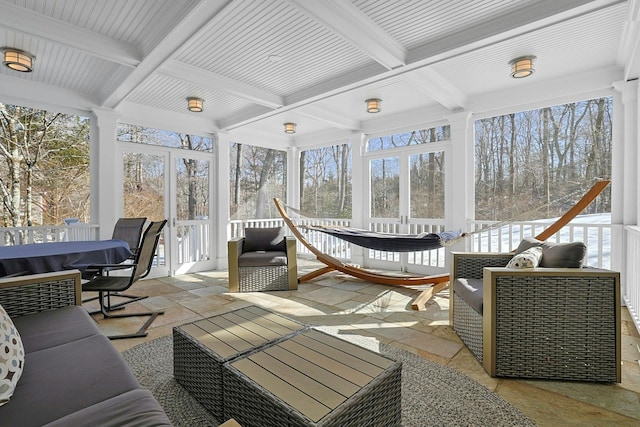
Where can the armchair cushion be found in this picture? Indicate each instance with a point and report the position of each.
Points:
(11, 357)
(470, 290)
(262, 259)
(264, 239)
(556, 255)
(529, 258)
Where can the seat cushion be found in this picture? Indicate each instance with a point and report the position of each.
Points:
(556, 255)
(262, 259)
(11, 357)
(135, 408)
(264, 239)
(55, 327)
(65, 379)
(470, 290)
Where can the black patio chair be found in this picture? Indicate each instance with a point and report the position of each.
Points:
(140, 267)
(129, 230)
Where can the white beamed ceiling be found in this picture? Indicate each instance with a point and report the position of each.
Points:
(258, 64)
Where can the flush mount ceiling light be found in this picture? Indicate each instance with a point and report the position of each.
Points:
(195, 104)
(18, 60)
(522, 67)
(373, 105)
(289, 127)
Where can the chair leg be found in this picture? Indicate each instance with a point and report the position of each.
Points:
(141, 332)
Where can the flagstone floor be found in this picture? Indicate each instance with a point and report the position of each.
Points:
(385, 313)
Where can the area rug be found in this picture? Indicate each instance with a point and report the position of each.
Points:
(432, 395)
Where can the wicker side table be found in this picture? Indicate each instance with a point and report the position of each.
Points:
(200, 348)
(313, 379)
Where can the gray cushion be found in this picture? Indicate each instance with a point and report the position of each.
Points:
(262, 259)
(136, 408)
(470, 290)
(264, 239)
(557, 255)
(54, 327)
(61, 380)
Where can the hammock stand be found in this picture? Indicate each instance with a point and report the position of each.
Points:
(430, 241)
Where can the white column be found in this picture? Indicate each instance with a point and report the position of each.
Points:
(293, 177)
(459, 181)
(220, 178)
(106, 172)
(359, 191)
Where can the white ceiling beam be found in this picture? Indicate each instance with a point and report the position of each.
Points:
(13, 18)
(434, 85)
(39, 95)
(209, 80)
(192, 24)
(629, 50)
(327, 116)
(344, 18)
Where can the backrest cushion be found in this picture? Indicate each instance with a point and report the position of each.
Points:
(556, 255)
(264, 239)
(529, 258)
(11, 357)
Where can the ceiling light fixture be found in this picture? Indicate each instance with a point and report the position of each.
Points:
(18, 60)
(195, 105)
(373, 105)
(289, 127)
(522, 67)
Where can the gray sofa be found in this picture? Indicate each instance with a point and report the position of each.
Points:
(72, 374)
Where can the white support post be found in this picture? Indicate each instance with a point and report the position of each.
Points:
(359, 191)
(293, 177)
(106, 172)
(221, 183)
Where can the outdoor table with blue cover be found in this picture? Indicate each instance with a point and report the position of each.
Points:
(47, 257)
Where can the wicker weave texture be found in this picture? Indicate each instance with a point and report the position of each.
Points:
(470, 265)
(269, 278)
(551, 327)
(377, 404)
(468, 325)
(33, 298)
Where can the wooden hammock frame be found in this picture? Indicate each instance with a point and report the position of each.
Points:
(437, 282)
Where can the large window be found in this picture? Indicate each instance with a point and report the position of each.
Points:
(151, 136)
(535, 164)
(326, 181)
(44, 172)
(257, 175)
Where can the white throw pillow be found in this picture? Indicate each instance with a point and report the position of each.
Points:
(526, 259)
(11, 357)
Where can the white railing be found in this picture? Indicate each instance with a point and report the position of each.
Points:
(631, 286)
(595, 235)
(48, 233)
(193, 242)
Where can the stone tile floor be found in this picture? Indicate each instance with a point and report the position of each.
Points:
(385, 313)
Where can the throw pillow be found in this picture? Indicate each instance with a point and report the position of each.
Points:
(264, 239)
(11, 357)
(529, 258)
(557, 255)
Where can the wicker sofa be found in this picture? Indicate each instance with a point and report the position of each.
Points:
(545, 323)
(72, 373)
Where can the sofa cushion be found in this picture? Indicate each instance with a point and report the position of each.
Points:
(556, 255)
(65, 379)
(262, 259)
(529, 258)
(470, 290)
(11, 357)
(135, 408)
(264, 239)
(54, 327)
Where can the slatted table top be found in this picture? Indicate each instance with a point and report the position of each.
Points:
(313, 372)
(236, 332)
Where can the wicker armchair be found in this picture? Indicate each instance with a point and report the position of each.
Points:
(545, 323)
(263, 260)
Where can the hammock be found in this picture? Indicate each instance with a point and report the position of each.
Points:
(407, 243)
(388, 241)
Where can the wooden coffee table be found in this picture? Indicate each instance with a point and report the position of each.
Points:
(200, 349)
(313, 379)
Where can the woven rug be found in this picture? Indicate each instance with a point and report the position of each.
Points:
(432, 395)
